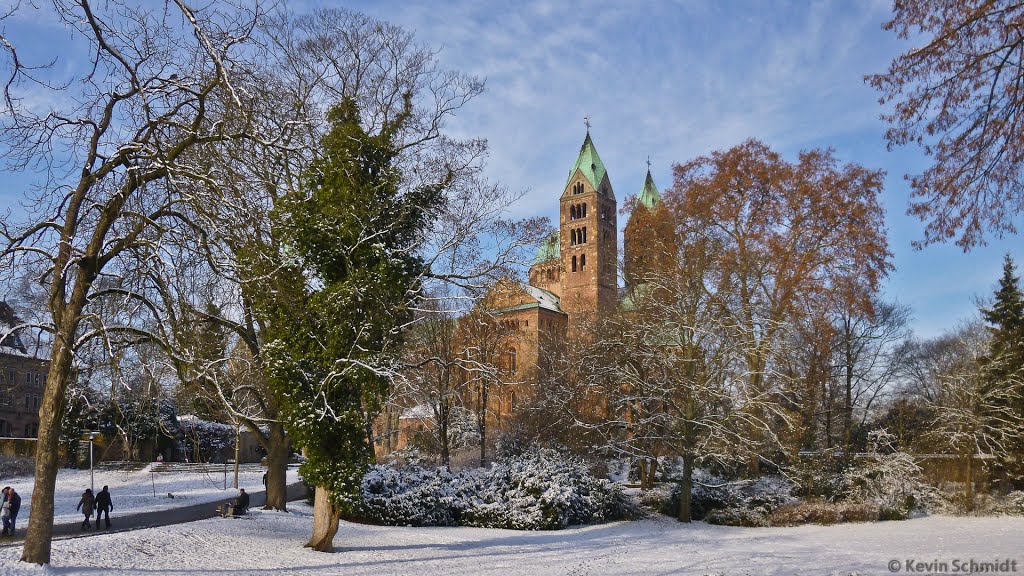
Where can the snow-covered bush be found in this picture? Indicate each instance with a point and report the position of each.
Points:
(540, 489)
(1011, 504)
(718, 500)
(890, 480)
(410, 496)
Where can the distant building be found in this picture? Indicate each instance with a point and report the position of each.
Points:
(22, 377)
(573, 281)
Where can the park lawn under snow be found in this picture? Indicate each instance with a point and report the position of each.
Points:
(136, 491)
(272, 542)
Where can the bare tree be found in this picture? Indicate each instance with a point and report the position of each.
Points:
(958, 96)
(973, 415)
(867, 355)
(118, 140)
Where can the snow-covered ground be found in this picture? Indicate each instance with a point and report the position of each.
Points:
(272, 542)
(138, 491)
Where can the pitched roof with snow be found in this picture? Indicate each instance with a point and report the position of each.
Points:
(10, 343)
(547, 300)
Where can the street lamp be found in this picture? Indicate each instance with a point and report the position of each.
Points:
(92, 473)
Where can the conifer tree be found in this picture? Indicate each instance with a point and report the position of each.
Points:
(1003, 366)
(337, 310)
(1006, 320)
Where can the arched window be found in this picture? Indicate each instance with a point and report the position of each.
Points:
(584, 211)
(573, 263)
(572, 212)
(572, 237)
(584, 234)
(511, 402)
(583, 262)
(512, 360)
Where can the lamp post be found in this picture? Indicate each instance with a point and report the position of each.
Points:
(92, 472)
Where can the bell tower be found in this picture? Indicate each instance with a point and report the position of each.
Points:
(588, 238)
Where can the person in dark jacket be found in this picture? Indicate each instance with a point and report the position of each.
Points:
(11, 496)
(85, 505)
(103, 506)
(241, 503)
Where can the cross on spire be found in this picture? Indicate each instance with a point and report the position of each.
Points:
(648, 162)
(586, 121)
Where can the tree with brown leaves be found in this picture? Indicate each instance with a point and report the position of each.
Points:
(787, 238)
(961, 98)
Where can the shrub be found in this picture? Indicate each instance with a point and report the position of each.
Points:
(822, 477)
(13, 466)
(411, 496)
(736, 517)
(1013, 503)
(822, 512)
(735, 503)
(892, 481)
(539, 489)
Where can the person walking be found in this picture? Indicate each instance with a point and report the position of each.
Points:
(103, 507)
(85, 505)
(5, 513)
(11, 504)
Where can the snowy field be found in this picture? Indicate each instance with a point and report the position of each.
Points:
(272, 542)
(137, 491)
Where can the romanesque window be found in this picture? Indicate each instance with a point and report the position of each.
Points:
(512, 360)
(584, 210)
(573, 263)
(583, 262)
(577, 188)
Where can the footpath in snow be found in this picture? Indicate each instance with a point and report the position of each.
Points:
(272, 542)
(137, 491)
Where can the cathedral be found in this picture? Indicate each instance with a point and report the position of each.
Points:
(574, 279)
(575, 275)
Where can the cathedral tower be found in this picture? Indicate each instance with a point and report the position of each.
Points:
(588, 237)
(649, 245)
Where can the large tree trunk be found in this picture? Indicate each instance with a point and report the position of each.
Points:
(325, 522)
(277, 468)
(686, 489)
(39, 535)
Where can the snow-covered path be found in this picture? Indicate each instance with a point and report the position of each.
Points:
(136, 491)
(272, 542)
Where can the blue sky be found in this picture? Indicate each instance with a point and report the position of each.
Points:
(674, 80)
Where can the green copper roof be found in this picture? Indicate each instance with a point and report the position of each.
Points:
(550, 249)
(649, 196)
(590, 163)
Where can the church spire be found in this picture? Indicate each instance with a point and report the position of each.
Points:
(589, 162)
(649, 195)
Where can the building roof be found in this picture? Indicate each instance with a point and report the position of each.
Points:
(589, 163)
(10, 342)
(550, 249)
(649, 195)
(547, 300)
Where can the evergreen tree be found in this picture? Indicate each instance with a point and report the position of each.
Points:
(1003, 367)
(337, 310)
(1006, 318)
